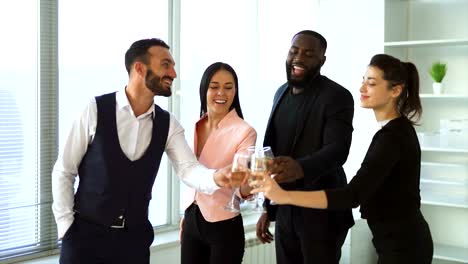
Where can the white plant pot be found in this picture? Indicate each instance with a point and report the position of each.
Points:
(437, 88)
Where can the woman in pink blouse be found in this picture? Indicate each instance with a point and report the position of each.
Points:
(209, 233)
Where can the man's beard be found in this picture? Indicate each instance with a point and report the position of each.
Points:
(304, 81)
(154, 84)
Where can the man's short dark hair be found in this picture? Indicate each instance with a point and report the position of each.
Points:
(138, 51)
(322, 40)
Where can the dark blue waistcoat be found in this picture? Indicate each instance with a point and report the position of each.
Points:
(111, 184)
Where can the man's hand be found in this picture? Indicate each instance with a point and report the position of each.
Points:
(286, 169)
(263, 233)
(225, 178)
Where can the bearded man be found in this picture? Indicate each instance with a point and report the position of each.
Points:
(309, 131)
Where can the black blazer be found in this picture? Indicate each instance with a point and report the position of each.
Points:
(321, 145)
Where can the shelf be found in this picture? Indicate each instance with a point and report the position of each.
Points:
(441, 200)
(456, 204)
(427, 43)
(437, 149)
(444, 173)
(448, 193)
(450, 253)
(441, 182)
(442, 164)
(444, 96)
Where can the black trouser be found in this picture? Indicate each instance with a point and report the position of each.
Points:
(89, 243)
(406, 240)
(296, 245)
(216, 243)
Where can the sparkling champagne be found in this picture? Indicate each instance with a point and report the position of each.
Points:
(257, 176)
(239, 176)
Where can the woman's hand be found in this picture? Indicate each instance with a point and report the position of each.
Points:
(270, 189)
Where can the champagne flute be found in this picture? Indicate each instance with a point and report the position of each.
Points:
(245, 203)
(241, 168)
(250, 151)
(268, 157)
(258, 171)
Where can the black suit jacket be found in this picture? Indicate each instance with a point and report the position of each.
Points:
(321, 145)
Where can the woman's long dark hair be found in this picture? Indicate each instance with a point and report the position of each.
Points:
(405, 74)
(205, 82)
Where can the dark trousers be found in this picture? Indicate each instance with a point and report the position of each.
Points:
(89, 243)
(296, 246)
(403, 241)
(216, 243)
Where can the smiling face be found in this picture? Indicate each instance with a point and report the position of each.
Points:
(160, 71)
(220, 93)
(377, 94)
(305, 58)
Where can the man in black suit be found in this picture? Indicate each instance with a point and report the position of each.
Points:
(309, 130)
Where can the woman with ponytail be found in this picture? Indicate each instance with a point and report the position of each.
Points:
(387, 184)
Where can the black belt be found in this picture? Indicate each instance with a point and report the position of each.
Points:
(118, 223)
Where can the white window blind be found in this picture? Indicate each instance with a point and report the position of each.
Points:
(27, 125)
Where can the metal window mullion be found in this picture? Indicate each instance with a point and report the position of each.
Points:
(47, 119)
(174, 106)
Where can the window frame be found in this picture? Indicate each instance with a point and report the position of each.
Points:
(47, 123)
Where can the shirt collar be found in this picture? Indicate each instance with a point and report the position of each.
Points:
(123, 103)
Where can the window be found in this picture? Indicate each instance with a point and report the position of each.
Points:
(25, 214)
(36, 114)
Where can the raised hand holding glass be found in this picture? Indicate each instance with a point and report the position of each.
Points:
(241, 168)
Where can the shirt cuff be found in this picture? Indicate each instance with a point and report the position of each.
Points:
(63, 226)
(338, 199)
(207, 185)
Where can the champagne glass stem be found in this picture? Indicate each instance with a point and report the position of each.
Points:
(233, 197)
(231, 206)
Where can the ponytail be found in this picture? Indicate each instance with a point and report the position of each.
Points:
(405, 74)
(409, 103)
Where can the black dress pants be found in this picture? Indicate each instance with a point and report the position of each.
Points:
(404, 241)
(90, 243)
(211, 243)
(295, 244)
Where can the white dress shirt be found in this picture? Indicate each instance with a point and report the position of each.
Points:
(134, 137)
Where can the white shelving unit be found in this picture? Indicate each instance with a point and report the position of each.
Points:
(424, 32)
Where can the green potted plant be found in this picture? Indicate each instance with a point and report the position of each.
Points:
(437, 72)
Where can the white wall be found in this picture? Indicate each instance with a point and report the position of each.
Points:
(354, 31)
